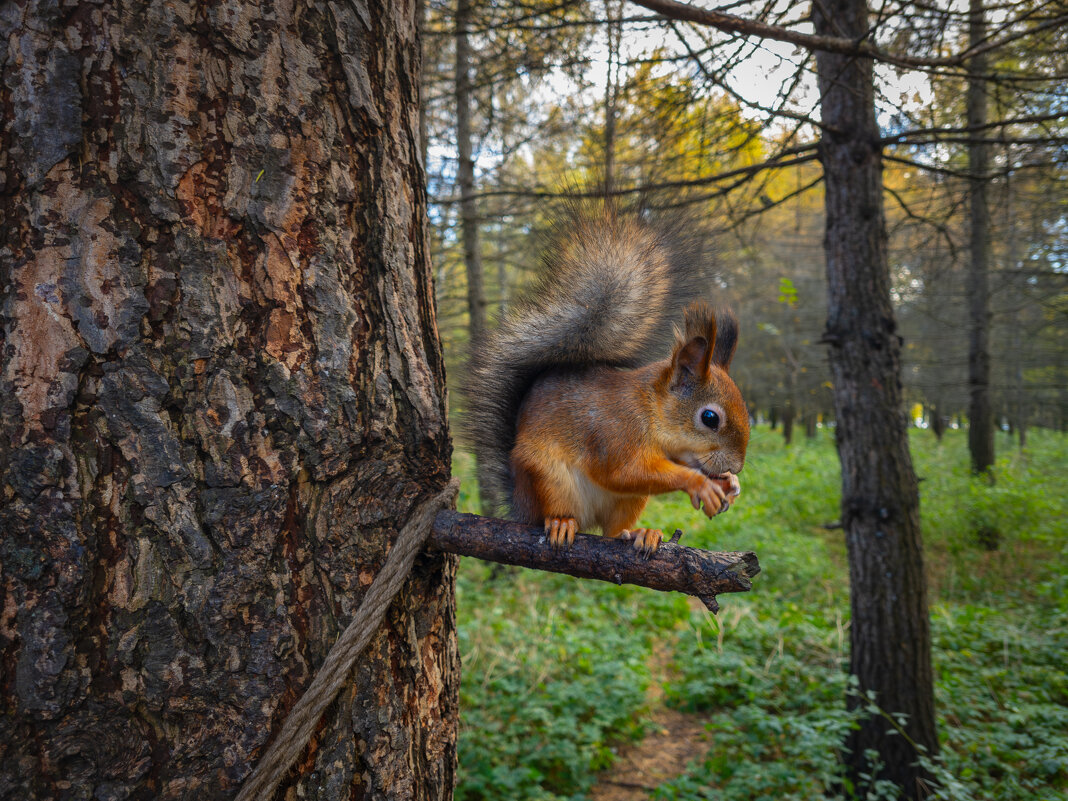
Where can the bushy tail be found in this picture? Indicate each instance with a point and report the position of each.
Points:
(610, 289)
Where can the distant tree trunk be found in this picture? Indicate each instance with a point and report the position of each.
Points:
(789, 409)
(611, 90)
(422, 11)
(810, 425)
(937, 420)
(469, 221)
(980, 415)
(465, 178)
(773, 417)
(1015, 270)
(502, 272)
(221, 394)
(890, 636)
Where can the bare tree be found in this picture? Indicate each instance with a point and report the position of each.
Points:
(222, 393)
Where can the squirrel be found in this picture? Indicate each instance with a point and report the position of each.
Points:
(571, 418)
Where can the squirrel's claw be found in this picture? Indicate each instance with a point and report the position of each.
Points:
(644, 540)
(561, 530)
(712, 496)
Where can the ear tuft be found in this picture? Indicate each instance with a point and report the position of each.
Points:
(727, 339)
(700, 321)
(693, 350)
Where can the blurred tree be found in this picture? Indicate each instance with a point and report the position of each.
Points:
(980, 414)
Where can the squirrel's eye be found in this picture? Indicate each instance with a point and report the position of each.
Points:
(710, 419)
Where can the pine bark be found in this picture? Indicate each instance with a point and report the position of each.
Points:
(889, 634)
(221, 392)
(980, 412)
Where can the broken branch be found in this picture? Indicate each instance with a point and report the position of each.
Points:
(673, 567)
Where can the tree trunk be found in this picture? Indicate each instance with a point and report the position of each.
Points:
(1015, 269)
(789, 410)
(469, 222)
(980, 415)
(937, 420)
(613, 32)
(890, 636)
(502, 272)
(465, 177)
(422, 12)
(221, 393)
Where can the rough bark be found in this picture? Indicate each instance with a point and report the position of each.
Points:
(980, 413)
(889, 634)
(672, 568)
(221, 392)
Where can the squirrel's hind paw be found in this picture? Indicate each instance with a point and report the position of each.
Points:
(644, 540)
(561, 530)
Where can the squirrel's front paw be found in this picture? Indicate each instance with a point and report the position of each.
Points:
(561, 530)
(710, 495)
(645, 540)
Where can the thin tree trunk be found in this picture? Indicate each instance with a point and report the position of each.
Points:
(221, 393)
(936, 419)
(465, 176)
(889, 636)
(422, 12)
(502, 273)
(1016, 334)
(469, 222)
(980, 414)
(612, 30)
(789, 411)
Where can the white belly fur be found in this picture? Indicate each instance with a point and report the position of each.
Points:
(596, 503)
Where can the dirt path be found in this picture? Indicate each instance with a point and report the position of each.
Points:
(675, 739)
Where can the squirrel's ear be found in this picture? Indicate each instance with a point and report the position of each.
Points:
(694, 350)
(726, 339)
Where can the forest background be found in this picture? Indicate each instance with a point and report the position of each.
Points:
(529, 104)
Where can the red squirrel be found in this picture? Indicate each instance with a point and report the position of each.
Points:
(573, 422)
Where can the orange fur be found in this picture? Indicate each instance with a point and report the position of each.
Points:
(594, 443)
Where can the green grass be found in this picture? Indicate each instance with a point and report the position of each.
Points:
(556, 669)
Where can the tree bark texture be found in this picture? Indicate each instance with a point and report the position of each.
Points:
(890, 636)
(221, 391)
(672, 568)
(980, 413)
